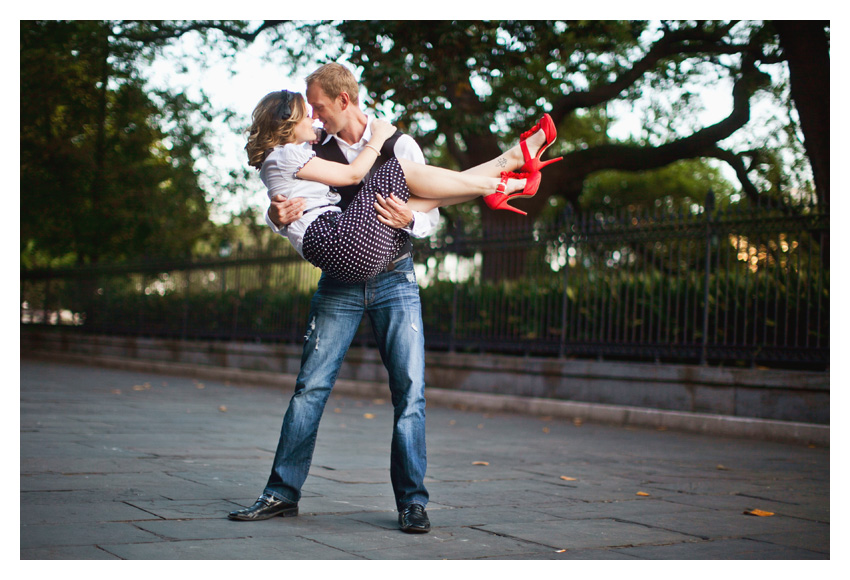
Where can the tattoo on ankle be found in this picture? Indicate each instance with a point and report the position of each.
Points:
(501, 162)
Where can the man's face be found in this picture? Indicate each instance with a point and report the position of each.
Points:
(328, 111)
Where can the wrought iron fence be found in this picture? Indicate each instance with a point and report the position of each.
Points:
(737, 285)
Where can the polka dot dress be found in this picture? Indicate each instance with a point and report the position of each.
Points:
(354, 246)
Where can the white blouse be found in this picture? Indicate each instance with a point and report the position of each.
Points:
(278, 175)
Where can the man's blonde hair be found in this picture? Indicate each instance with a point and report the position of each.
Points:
(335, 79)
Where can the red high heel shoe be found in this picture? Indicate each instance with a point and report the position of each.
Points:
(500, 199)
(533, 164)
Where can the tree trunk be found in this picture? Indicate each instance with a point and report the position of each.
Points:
(91, 253)
(806, 49)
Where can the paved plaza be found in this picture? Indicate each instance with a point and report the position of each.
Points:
(123, 464)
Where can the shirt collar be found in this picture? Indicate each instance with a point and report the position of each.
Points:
(367, 134)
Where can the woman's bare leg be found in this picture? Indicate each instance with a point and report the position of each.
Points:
(438, 187)
(425, 205)
(433, 182)
(433, 187)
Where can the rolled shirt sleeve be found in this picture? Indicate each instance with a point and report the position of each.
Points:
(424, 224)
(278, 230)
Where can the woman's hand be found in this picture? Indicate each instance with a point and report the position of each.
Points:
(382, 130)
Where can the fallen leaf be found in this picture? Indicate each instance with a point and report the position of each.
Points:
(755, 512)
(337, 410)
(565, 478)
(661, 428)
(116, 391)
(480, 463)
(577, 422)
(368, 416)
(378, 401)
(545, 429)
(481, 425)
(722, 467)
(642, 493)
(560, 551)
(223, 409)
(199, 385)
(452, 422)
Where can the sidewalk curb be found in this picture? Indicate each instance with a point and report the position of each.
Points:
(706, 424)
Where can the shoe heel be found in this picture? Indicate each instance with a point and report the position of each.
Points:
(499, 199)
(505, 205)
(289, 513)
(534, 165)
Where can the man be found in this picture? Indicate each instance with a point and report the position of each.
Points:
(392, 301)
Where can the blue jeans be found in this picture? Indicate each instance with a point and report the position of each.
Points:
(392, 301)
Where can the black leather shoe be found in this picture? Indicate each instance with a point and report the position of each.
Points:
(265, 507)
(414, 520)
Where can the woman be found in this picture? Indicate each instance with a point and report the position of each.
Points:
(353, 246)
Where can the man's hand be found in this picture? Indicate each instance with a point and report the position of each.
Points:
(283, 211)
(392, 211)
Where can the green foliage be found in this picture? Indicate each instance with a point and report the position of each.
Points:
(682, 183)
(107, 171)
(472, 76)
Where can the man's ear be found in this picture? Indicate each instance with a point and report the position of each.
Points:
(344, 100)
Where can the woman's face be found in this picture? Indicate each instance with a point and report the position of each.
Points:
(304, 132)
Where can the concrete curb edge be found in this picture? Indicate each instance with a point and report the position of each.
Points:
(706, 424)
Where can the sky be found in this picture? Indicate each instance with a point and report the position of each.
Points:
(237, 84)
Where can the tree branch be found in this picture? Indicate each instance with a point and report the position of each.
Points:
(456, 152)
(579, 164)
(737, 163)
(169, 32)
(676, 43)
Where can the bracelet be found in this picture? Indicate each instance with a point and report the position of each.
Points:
(373, 148)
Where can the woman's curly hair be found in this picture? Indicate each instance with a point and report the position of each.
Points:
(268, 129)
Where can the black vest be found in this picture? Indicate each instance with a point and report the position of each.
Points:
(331, 152)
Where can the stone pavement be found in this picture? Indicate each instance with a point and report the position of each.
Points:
(119, 464)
